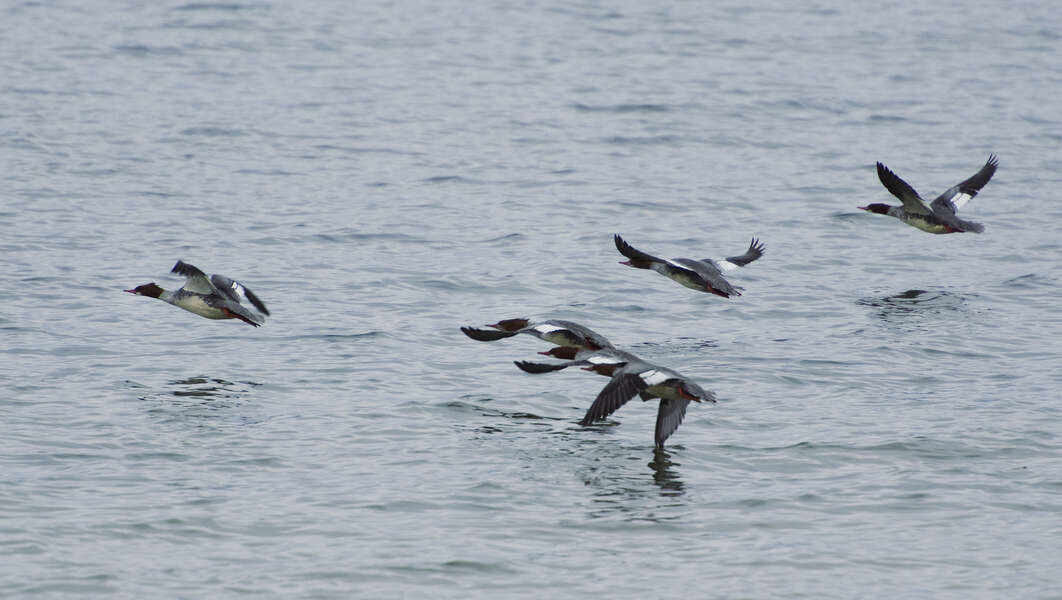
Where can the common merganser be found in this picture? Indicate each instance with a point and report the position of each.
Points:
(640, 378)
(938, 217)
(215, 298)
(554, 331)
(704, 275)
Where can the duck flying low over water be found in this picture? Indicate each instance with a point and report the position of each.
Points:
(216, 297)
(640, 378)
(939, 216)
(554, 331)
(705, 275)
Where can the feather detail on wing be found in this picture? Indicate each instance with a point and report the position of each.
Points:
(534, 367)
(957, 197)
(486, 335)
(912, 202)
(615, 394)
(633, 253)
(196, 280)
(669, 416)
(238, 311)
(237, 292)
(755, 251)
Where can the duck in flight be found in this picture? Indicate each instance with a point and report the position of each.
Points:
(554, 331)
(629, 376)
(646, 380)
(216, 297)
(705, 275)
(940, 215)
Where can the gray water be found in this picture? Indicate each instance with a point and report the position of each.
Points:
(382, 174)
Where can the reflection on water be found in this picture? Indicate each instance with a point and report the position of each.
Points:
(208, 387)
(622, 490)
(914, 303)
(196, 396)
(679, 344)
(664, 475)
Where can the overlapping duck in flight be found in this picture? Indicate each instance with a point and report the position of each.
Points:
(705, 275)
(554, 331)
(630, 376)
(216, 297)
(939, 216)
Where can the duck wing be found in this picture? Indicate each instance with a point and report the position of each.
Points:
(754, 252)
(237, 292)
(912, 202)
(957, 197)
(633, 253)
(195, 280)
(586, 337)
(534, 367)
(668, 417)
(487, 335)
(709, 270)
(623, 386)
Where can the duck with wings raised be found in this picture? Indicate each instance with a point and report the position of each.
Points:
(940, 216)
(216, 297)
(704, 275)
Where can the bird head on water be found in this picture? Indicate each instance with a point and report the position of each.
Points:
(881, 209)
(148, 289)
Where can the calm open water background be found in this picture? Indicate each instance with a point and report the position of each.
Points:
(383, 173)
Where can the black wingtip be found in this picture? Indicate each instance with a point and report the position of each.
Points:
(884, 173)
(187, 270)
(536, 368)
(255, 301)
(485, 335)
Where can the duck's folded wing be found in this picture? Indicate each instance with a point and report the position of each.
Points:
(912, 202)
(957, 197)
(621, 388)
(732, 262)
(712, 272)
(706, 268)
(239, 311)
(237, 292)
(195, 280)
(668, 417)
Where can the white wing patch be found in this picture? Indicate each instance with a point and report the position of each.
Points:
(676, 264)
(726, 265)
(960, 200)
(653, 377)
(545, 329)
(599, 359)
